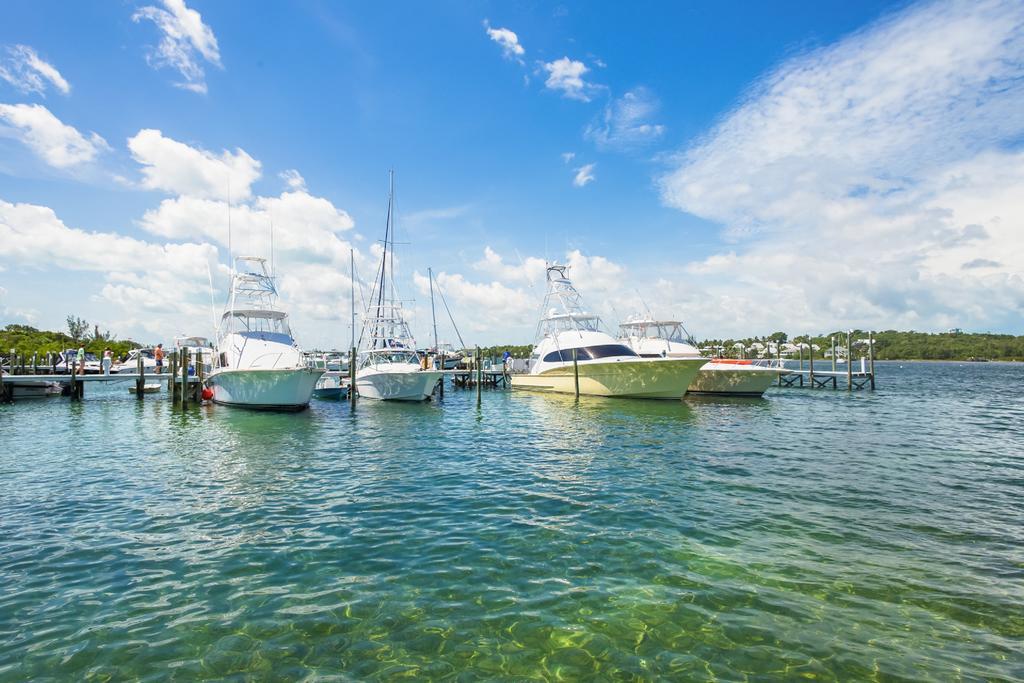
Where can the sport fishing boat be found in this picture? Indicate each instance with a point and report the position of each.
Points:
(257, 362)
(568, 336)
(388, 366)
(720, 376)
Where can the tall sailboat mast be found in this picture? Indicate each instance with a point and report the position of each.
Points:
(352, 303)
(433, 316)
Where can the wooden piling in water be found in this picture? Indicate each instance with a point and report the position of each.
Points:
(778, 354)
(184, 378)
(810, 352)
(576, 373)
(479, 377)
(440, 389)
(35, 362)
(871, 358)
(352, 379)
(140, 381)
(76, 386)
(4, 398)
(849, 360)
(172, 384)
(12, 361)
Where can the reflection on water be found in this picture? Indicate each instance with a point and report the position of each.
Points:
(807, 534)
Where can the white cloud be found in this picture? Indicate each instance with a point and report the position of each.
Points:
(626, 121)
(584, 175)
(28, 72)
(293, 179)
(566, 75)
(568, 156)
(180, 169)
(858, 180)
(185, 40)
(57, 143)
(508, 40)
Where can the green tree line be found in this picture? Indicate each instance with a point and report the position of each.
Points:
(29, 340)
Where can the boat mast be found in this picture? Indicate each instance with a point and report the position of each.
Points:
(352, 304)
(433, 316)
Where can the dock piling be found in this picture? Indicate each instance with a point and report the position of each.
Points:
(871, 357)
(849, 360)
(810, 352)
(479, 376)
(140, 381)
(172, 384)
(352, 379)
(440, 390)
(184, 378)
(576, 373)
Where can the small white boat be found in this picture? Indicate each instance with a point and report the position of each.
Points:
(146, 389)
(387, 367)
(257, 363)
(720, 376)
(570, 342)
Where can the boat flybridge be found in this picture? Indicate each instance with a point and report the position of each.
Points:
(568, 335)
(652, 338)
(257, 363)
(388, 366)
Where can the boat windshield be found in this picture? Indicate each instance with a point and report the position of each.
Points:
(392, 356)
(271, 322)
(671, 330)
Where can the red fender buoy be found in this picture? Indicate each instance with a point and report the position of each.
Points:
(207, 393)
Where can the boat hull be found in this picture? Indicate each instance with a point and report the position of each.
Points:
(286, 389)
(20, 390)
(382, 385)
(643, 378)
(717, 379)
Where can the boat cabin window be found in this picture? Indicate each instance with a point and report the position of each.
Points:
(392, 356)
(590, 353)
(273, 324)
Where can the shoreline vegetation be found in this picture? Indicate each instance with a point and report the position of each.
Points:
(889, 344)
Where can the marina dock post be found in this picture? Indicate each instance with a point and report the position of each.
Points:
(871, 358)
(800, 348)
(440, 387)
(172, 369)
(810, 351)
(576, 374)
(778, 354)
(12, 361)
(184, 378)
(352, 378)
(833, 339)
(849, 360)
(201, 376)
(75, 388)
(140, 381)
(479, 376)
(4, 398)
(35, 362)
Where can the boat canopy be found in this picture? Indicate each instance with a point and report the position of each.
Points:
(257, 320)
(672, 330)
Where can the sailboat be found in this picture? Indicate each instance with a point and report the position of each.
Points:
(257, 363)
(568, 336)
(653, 338)
(388, 366)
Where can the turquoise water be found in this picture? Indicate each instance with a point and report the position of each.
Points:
(809, 535)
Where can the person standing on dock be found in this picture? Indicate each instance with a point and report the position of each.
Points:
(158, 354)
(80, 359)
(108, 360)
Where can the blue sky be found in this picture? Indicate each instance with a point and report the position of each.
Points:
(747, 167)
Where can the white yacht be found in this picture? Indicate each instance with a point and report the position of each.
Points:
(722, 376)
(388, 366)
(606, 366)
(257, 363)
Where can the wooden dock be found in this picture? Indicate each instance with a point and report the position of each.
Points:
(821, 379)
(183, 387)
